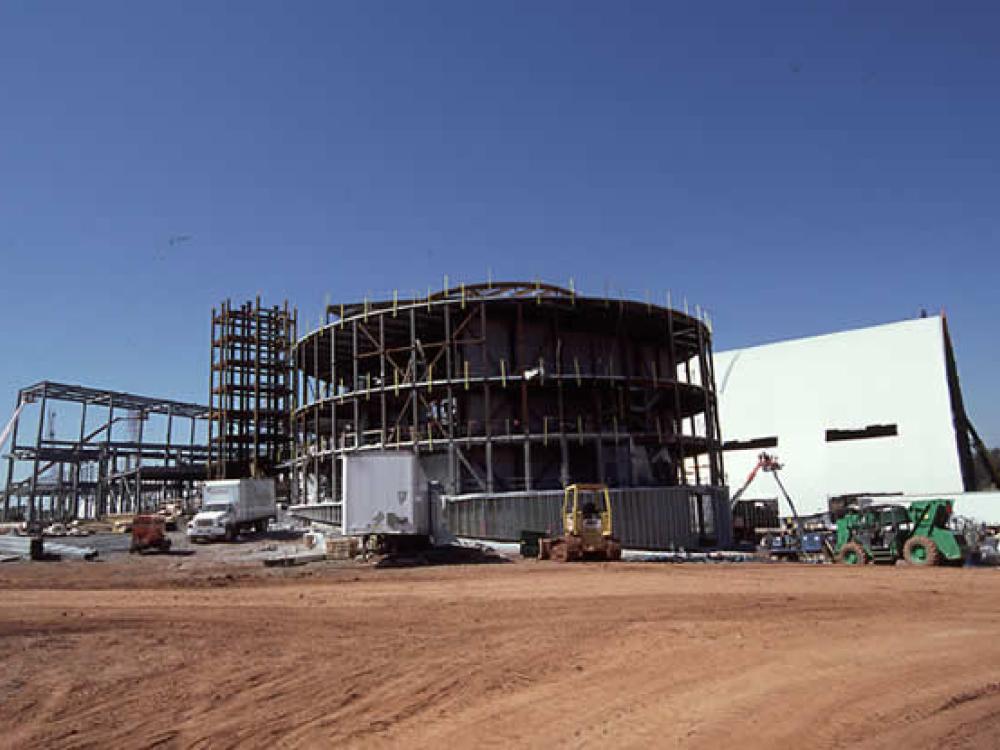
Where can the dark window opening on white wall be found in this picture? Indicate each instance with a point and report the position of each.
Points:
(742, 445)
(871, 431)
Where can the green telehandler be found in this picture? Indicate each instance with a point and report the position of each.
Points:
(917, 533)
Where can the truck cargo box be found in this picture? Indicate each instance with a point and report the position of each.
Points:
(385, 493)
(248, 498)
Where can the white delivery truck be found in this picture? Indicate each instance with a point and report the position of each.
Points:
(230, 506)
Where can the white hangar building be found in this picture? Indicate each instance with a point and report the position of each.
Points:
(871, 412)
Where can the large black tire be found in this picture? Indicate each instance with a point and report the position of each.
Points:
(230, 533)
(613, 551)
(852, 553)
(544, 549)
(919, 550)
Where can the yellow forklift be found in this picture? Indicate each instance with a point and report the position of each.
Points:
(587, 527)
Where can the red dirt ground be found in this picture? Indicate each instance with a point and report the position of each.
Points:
(141, 653)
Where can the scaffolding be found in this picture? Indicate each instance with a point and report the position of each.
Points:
(250, 389)
(508, 387)
(123, 456)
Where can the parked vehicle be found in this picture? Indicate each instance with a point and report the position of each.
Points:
(789, 543)
(149, 531)
(172, 513)
(919, 534)
(587, 530)
(232, 506)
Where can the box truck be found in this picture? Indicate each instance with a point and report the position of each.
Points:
(230, 506)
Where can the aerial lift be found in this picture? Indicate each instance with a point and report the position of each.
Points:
(790, 544)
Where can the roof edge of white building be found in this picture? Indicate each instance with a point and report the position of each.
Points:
(836, 334)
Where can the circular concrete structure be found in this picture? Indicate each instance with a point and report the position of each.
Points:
(508, 387)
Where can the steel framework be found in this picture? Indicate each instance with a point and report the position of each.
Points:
(250, 389)
(508, 387)
(95, 471)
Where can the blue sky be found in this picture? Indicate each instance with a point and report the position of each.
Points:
(795, 170)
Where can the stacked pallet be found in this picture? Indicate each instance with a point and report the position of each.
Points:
(341, 547)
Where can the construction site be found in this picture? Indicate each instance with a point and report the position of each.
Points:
(465, 513)
(556, 375)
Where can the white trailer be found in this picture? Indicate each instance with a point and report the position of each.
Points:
(385, 494)
(230, 506)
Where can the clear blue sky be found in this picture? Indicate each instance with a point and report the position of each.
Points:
(794, 170)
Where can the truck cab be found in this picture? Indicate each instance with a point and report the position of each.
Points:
(213, 521)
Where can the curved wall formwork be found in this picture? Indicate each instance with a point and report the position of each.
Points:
(508, 388)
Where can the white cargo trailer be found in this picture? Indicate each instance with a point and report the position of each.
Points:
(230, 506)
(385, 493)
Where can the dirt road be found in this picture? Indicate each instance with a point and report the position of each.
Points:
(141, 654)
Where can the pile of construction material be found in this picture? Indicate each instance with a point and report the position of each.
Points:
(317, 547)
(17, 547)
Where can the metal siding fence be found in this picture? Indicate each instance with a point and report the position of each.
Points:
(655, 518)
(319, 512)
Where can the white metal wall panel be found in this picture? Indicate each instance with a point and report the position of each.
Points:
(797, 390)
(654, 518)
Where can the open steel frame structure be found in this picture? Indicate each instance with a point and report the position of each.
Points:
(114, 461)
(250, 389)
(508, 387)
